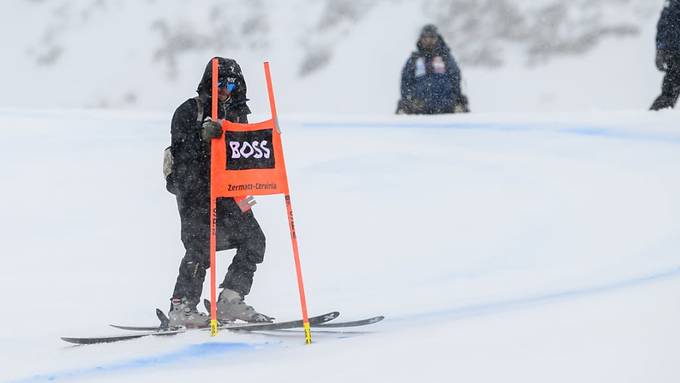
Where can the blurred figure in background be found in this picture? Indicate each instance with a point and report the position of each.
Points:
(668, 54)
(430, 80)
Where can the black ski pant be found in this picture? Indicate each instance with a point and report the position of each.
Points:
(670, 88)
(235, 230)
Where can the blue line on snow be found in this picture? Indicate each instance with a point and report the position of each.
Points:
(194, 351)
(585, 131)
(582, 130)
(609, 133)
(416, 125)
(494, 307)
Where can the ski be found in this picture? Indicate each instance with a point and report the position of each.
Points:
(119, 338)
(164, 322)
(354, 323)
(231, 326)
(334, 324)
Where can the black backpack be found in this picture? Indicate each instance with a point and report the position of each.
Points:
(168, 160)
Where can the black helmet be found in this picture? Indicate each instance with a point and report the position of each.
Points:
(228, 71)
(429, 30)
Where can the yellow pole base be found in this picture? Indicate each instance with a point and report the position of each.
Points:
(308, 334)
(213, 327)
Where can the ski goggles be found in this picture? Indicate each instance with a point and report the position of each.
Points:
(227, 84)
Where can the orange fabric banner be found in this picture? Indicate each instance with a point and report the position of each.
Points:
(249, 161)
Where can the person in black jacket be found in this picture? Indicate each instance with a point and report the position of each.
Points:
(430, 80)
(668, 54)
(189, 180)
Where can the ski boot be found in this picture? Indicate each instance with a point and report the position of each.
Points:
(183, 314)
(230, 307)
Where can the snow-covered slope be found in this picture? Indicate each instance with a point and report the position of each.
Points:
(535, 240)
(508, 247)
(333, 56)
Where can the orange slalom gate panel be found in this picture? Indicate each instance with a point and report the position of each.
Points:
(248, 160)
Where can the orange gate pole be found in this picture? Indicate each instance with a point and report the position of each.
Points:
(291, 222)
(213, 209)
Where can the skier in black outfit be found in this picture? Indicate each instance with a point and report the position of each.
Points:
(668, 54)
(430, 80)
(189, 180)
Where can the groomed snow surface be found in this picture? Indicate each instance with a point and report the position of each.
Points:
(514, 248)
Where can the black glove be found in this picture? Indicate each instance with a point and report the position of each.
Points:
(410, 105)
(401, 107)
(461, 105)
(661, 62)
(211, 129)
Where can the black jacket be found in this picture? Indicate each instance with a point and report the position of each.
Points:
(191, 154)
(430, 81)
(668, 28)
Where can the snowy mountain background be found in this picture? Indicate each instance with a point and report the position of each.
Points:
(533, 240)
(330, 56)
